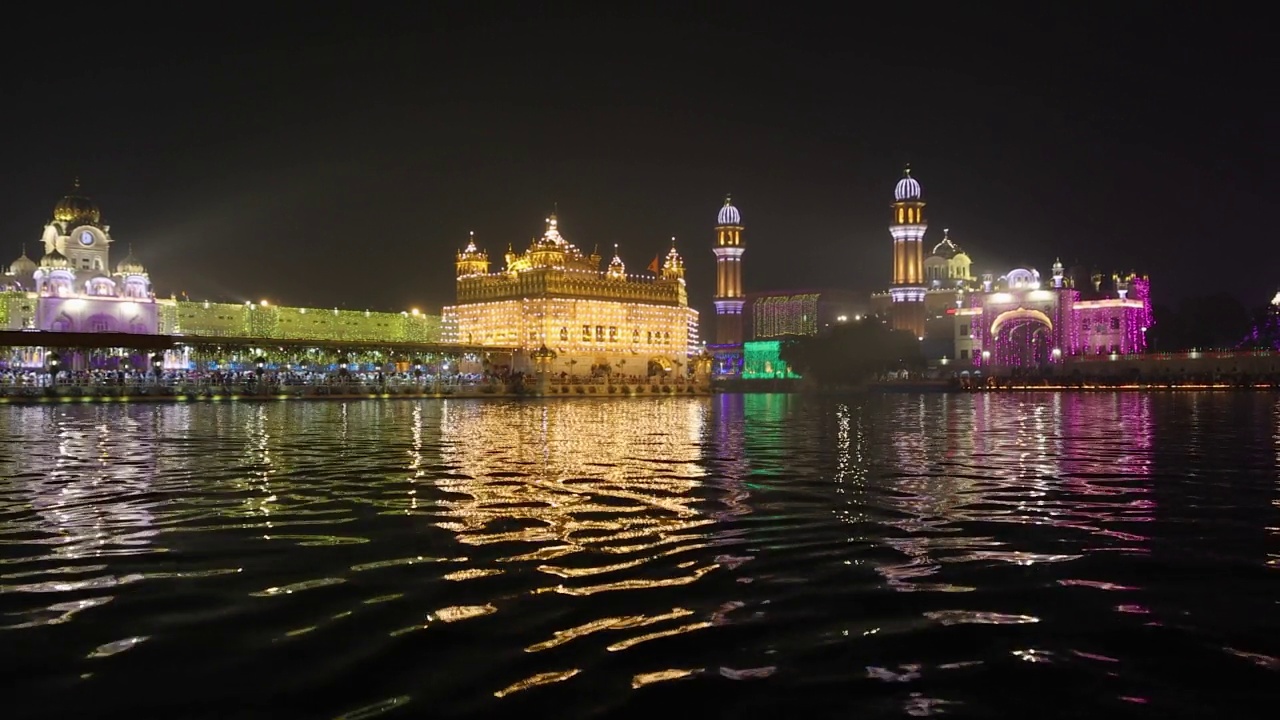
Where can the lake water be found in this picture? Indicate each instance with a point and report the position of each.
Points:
(1019, 555)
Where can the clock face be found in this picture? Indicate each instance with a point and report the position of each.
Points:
(86, 238)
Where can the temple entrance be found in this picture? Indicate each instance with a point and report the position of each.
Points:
(659, 366)
(1023, 339)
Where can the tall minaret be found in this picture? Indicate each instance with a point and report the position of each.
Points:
(729, 295)
(908, 289)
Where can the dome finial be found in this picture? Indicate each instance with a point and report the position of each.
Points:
(908, 188)
(729, 214)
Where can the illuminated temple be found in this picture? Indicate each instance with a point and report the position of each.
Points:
(592, 315)
(73, 287)
(1012, 320)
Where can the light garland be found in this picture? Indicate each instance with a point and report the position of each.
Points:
(1079, 327)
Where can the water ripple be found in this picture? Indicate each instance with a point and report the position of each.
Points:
(883, 556)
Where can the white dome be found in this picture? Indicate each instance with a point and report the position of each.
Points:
(23, 265)
(907, 188)
(729, 214)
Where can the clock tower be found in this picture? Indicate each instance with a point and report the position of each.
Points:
(76, 232)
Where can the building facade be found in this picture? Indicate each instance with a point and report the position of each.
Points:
(800, 312)
(75, 288)
(594, 318)
(1008, 321)
(1016, 321)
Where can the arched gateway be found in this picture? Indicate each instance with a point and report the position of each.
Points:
(1023, 338)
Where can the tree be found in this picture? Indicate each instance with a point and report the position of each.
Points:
(852, 353)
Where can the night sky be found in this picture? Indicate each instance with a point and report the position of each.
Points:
(341, 159)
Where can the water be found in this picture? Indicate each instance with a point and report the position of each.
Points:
(737, 556)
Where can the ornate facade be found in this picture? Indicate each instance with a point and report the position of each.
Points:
(1010, 321)
(73, 287)
(553, 295)
(1017, 322)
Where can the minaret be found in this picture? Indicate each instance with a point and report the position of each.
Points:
(907, 229)
(729, 296)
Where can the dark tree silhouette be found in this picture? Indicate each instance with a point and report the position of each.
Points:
(853, 353)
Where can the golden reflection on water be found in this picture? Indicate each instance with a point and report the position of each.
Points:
(569, 477)
(598, 498)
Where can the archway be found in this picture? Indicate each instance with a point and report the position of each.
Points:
(1023, 339)
(659, 366)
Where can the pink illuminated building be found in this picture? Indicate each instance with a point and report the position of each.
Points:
(1019, 321)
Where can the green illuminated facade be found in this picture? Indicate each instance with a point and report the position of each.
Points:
(763, 361)
(269, 321)
(17, 309)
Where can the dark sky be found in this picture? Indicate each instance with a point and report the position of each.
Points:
(341, 159)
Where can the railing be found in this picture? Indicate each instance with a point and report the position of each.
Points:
(1184, 355)
(41, 386)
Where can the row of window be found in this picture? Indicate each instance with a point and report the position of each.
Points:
(601, 333)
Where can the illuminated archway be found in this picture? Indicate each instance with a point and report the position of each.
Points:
(659, 365)
(1023, 338)
(1019, 314)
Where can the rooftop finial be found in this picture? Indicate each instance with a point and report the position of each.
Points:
(728, 199)
(75, 183)
(906, 170)
(673, 242)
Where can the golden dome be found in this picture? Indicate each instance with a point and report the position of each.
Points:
(75, 208)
